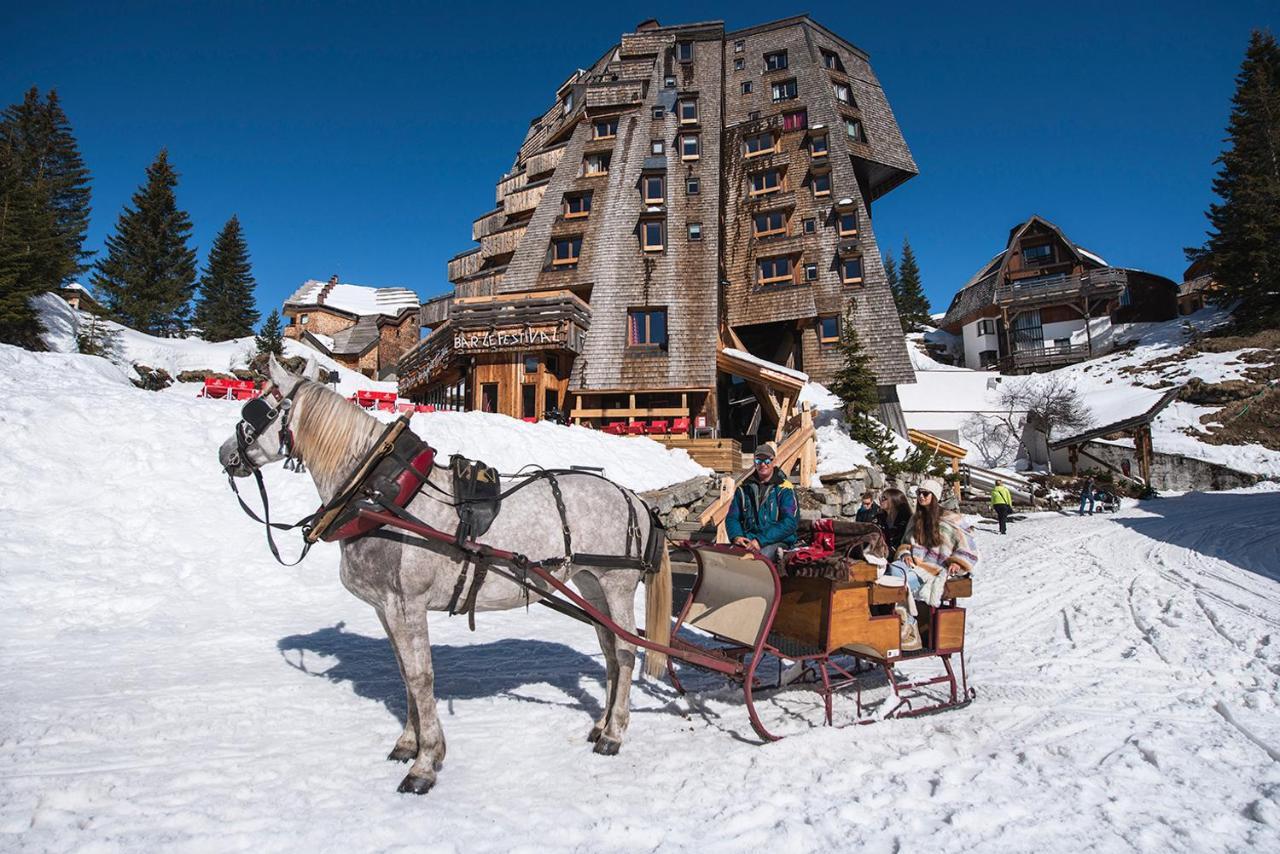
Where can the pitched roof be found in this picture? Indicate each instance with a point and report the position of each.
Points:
(358, 300)
(355, 340)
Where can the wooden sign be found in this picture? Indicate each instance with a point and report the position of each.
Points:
(522, 337)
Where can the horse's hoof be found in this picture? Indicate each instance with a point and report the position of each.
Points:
(415, 785)
(401, 754)
(607, 746)
(594, 735)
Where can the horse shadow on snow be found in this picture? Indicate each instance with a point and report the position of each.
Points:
(497, 669)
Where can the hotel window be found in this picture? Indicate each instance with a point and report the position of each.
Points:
(695, 231)
(655, 189)
(304, 319)
(605, 128)
(1033, 255)
(669, 82)
(684, 51)
(689, 147)
(829, 330)
(851, 270)
(783, 90)
(987, 327)
(770, 223)
(831, 61)
(659, 113)
(842, 92)
(739, 45)
(818, 145)
(810, 272)
(595, 164)
(565, 251)
(531, 363)
(568, 102)
(853, 128)
(847, 224)
(577, 205)
(657, 146)
(653, 234)
(693, 187)
(746, 87)
(553, 363)
(753, 115)
(739, 64)
(647, 327)
(774, 271)
(768, 181)
(760, 143)
(688, 111)
(810, 225)
(775, 61)
(795, 120)
(821, 184)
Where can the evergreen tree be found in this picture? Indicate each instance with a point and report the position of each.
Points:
(854, 382)
(225, 308)
(1243, 246)
(271, 340)
(891, 277)
(149, 274)
(44, 211)
(913, 305)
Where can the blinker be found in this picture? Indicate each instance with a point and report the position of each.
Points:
(258, 414)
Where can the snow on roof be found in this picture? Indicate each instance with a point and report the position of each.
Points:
(1091, 256)
(75, 286)
(359, 300)
(765, 363)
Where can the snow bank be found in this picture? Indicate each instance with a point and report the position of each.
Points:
(838, 452)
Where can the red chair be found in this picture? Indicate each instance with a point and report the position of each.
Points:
(636, 429)
(529, 420)
(426, 407)
(405, 407)
(680, 426)
(616, 428)
(658, 428)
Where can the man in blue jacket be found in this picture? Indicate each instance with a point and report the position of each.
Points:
(764, 512)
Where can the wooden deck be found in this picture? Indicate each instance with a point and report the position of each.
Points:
(721, 455)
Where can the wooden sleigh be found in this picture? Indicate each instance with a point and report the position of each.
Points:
(838, 630)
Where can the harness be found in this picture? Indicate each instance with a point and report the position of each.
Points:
(396, 468)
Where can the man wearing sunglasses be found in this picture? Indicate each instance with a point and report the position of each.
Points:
(764, 512)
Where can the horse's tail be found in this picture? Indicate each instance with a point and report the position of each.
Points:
(657, 613)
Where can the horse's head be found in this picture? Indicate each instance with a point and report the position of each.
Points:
(262, 435)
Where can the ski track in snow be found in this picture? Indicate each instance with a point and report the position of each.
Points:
(165, 685)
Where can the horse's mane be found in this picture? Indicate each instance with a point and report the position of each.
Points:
(330, 433)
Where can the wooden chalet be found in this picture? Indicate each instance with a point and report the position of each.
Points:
(365, 329)
(1197, 288)
(1046, 301)
(691, 192)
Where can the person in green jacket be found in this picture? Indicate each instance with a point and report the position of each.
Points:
(1002, 503)
(764, 513)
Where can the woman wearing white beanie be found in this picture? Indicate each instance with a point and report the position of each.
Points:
(938, 547)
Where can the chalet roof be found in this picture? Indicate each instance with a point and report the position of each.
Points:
(1123, 408)
(980, 290)
(356, 340)
(357, 300)
(1197, 285)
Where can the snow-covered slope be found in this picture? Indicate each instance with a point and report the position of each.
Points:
(164, 685)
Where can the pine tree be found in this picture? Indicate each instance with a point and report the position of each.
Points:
(225, 308)
(913, 305)
(44, 211)
(271, 340)
(1243, 246)
(891, 278)
(149, 274)
(854, 382)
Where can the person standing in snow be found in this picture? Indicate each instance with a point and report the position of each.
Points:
(940, 547)
(896, 512)
(764, 512)
(1086, 495)
(1002, 503)
(868, 512)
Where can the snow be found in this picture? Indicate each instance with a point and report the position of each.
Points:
(838, 452)
(166, 686)
(356, 299)
(1092, 256)
(765, 363)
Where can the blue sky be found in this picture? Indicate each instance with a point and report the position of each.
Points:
(362, 138)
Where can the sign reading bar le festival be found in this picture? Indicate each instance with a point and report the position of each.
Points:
(501, 339)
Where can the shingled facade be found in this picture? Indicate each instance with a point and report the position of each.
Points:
(690, 191)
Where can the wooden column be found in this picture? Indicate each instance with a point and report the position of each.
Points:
(1074, 454)
(1143, 443)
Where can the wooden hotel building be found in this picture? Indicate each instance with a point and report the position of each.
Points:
(682, 231)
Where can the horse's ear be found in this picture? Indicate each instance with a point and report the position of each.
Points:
(279, 376)
(311, 371)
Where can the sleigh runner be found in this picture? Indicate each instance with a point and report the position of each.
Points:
(833, 621)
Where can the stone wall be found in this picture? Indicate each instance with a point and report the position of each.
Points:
(1172, 472)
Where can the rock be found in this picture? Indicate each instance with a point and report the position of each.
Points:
(676, 516)
(152, 379)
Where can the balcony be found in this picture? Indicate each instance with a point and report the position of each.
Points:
(544, 161)
(510, 183)
(525, 199)
(621, 93)
(1045, 357)
(1064, 287)
(435, 311)
(466, 264)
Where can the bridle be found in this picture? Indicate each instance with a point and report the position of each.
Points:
(256, 418)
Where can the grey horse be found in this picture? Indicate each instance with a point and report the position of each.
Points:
(403, 576)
